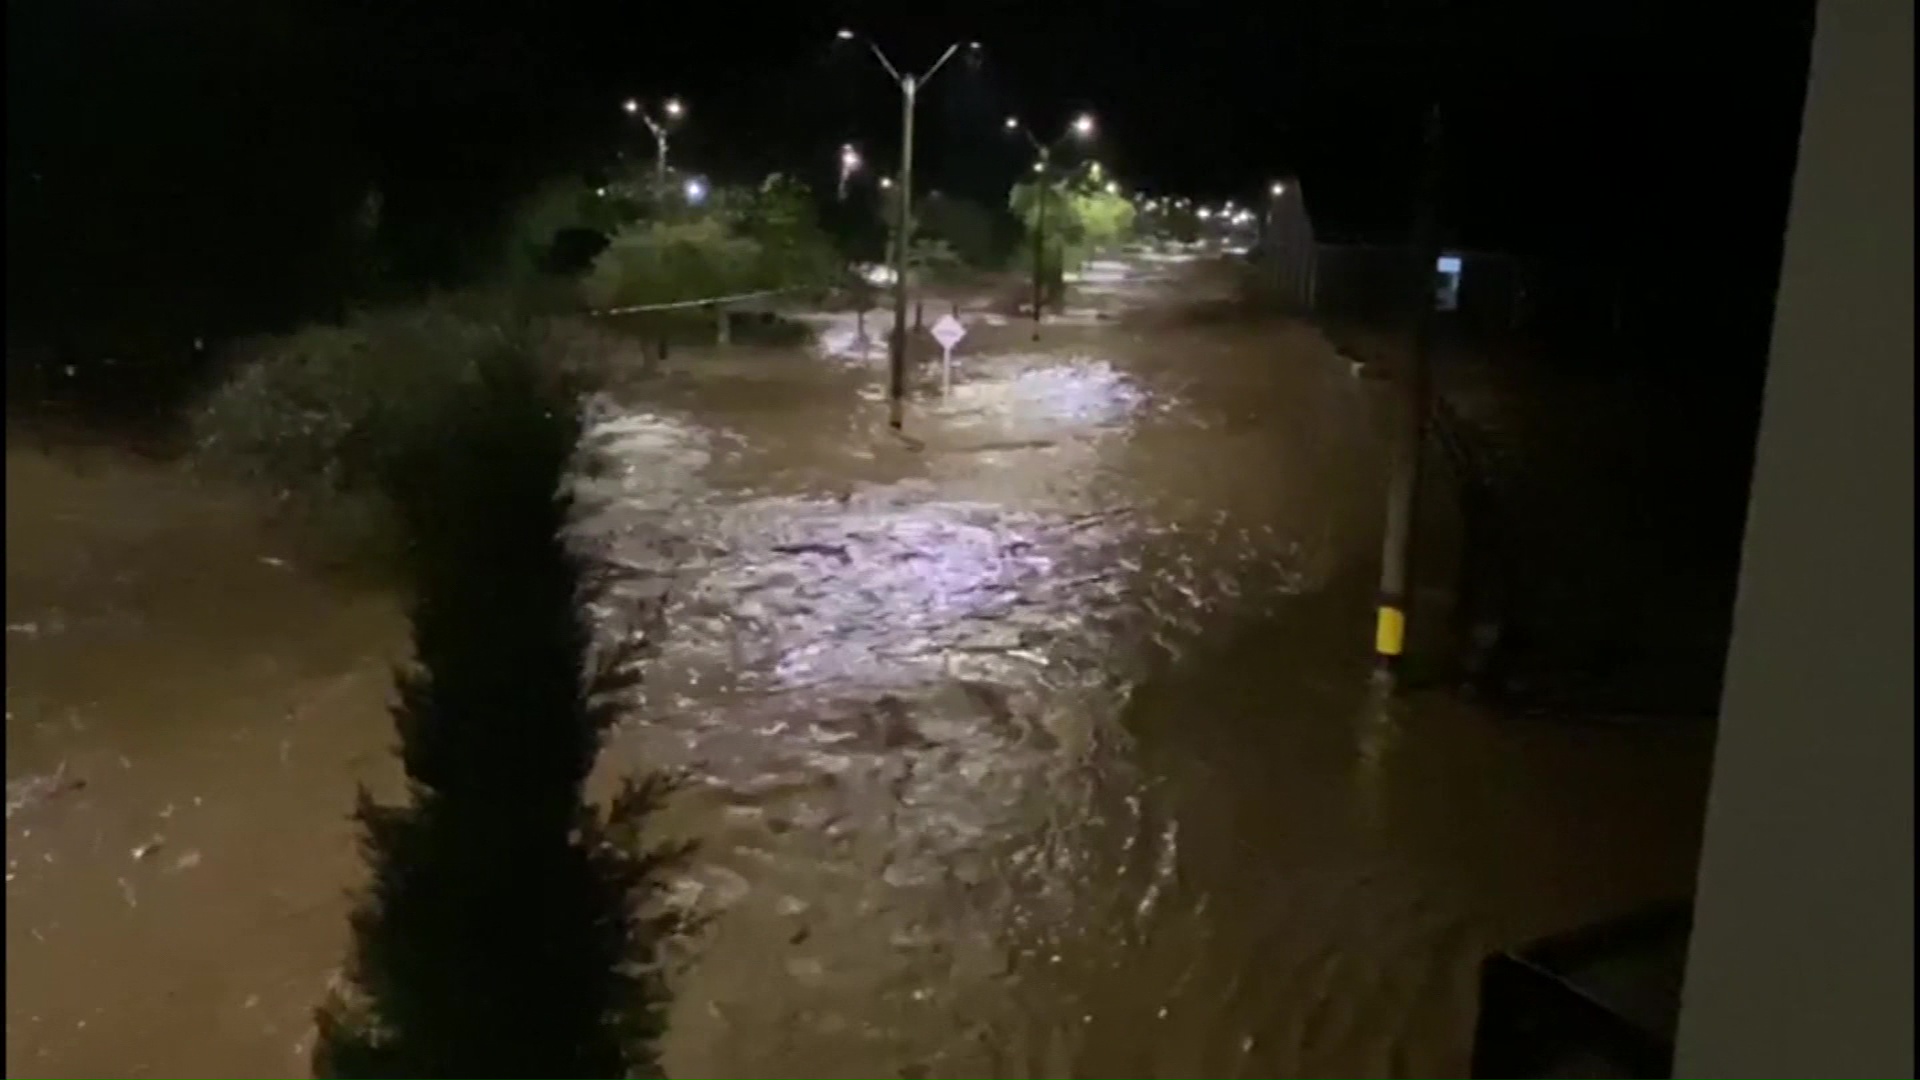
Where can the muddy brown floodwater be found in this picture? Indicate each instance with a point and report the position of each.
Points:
(1042, 746)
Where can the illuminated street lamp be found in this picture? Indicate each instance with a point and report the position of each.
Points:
(671, 112)
(696, 191)
(909, 95)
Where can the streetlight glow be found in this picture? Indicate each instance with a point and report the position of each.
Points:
(630, 105)
(674, 108)
(886, 182)
(1083, 125)
(845, 35)
(696, 191)
(1278, 189)
(1013, 123)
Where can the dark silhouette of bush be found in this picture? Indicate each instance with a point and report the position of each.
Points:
(509, 929)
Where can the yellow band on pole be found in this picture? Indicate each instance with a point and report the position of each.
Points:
(1391, 635)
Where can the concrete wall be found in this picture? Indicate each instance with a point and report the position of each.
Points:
(1802, 954)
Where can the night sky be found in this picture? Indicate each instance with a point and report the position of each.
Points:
(215, 134)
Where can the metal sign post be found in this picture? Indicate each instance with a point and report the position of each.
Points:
(948, 332)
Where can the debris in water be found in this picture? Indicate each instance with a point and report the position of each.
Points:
(141, 852)
(187, 861)
(276, 563)
(126, 890)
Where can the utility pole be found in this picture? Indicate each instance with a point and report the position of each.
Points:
(1082, 128)
(909, 90)
(1043, 190)
(902, 215)
(1396, 581)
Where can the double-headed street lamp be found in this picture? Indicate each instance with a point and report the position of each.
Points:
(1082, 128)
(671, 112)
(909, 91)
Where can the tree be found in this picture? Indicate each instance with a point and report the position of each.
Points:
(795, 251)
(979, 237)
(662, 262)
(932, 262)
(1082, 217)
(544, 232)
(509, 928)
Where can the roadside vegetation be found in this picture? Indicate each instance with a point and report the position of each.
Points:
(510, 927)
(1081, 219)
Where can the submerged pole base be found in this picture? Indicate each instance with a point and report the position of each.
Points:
(1389, 643)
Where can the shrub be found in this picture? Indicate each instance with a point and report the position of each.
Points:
(326, 416)
(666, 261)
(510, 929)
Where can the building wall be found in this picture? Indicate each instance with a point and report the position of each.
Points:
(1802, 955)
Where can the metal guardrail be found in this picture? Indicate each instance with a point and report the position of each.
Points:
(688, 305)
(709, 301)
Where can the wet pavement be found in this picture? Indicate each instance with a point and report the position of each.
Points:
(1036, 743)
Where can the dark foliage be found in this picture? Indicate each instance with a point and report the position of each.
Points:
(509, 929)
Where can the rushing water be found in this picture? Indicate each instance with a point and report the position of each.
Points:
(1039, 743)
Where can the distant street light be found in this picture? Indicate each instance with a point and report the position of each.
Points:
(886, 183)
(672, 110)
(849, 164)
(1082, 128)
(696, 191)
(1277, 189)
(909, 96)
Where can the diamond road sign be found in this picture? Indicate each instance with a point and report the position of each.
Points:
(948, 331)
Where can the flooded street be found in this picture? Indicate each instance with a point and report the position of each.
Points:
(1039, 743)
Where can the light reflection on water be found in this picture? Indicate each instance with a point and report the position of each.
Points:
(904, 706)
(1044, 748)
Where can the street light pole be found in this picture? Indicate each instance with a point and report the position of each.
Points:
(1403, 483)
(1081, 128)
(897, 351)
(902, 215)
(672, 110)
(1044, 191)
